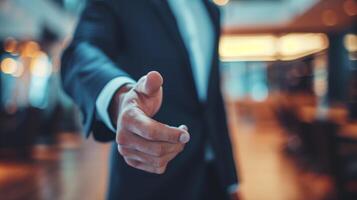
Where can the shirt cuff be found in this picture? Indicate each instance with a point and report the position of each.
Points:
(105, 97)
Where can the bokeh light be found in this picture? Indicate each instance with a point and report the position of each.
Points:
(350, 7)
(9, 66)
(329, 17)
(221, 2)
(10, 45)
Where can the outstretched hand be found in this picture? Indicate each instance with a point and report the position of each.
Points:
(144, 143)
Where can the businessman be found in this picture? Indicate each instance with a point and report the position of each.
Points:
(145, 74)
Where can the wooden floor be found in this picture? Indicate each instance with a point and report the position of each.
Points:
(69, 172)
(78, 169)
(266, 172)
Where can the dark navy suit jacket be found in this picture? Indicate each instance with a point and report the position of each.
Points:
(130, 38)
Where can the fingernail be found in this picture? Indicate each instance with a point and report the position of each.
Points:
(184, 137)
(184, 127)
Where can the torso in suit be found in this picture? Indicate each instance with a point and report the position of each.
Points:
(130, 38)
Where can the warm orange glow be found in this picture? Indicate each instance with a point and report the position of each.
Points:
(293, 46)
(10, 45)
(351, 42)
(269, 47)
(350, 7)
(30, 49)
(329, 18)
(8, 66)
(221, 2)
(248, 47)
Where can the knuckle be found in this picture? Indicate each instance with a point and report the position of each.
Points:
(124, 152)
(120, 150)
(131, 163)
(126, 117)
(122, 138)
(162, 163)
(158, 162)
(151, 134)
(160, 170)
(159, 150)
(135, 164)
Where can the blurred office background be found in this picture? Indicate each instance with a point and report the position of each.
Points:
(289, 77)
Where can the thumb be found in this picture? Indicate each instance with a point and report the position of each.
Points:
(150, 84)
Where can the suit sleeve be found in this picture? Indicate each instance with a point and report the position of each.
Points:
(87, 64)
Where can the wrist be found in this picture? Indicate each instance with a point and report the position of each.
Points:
(115, 103)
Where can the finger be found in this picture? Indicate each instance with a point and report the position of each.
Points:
(149, 84)
(138, 165)
(145, 158)
(137, 122)
(184, 127)
(135, 142)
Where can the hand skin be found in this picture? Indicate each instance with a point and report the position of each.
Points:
(144, 143)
